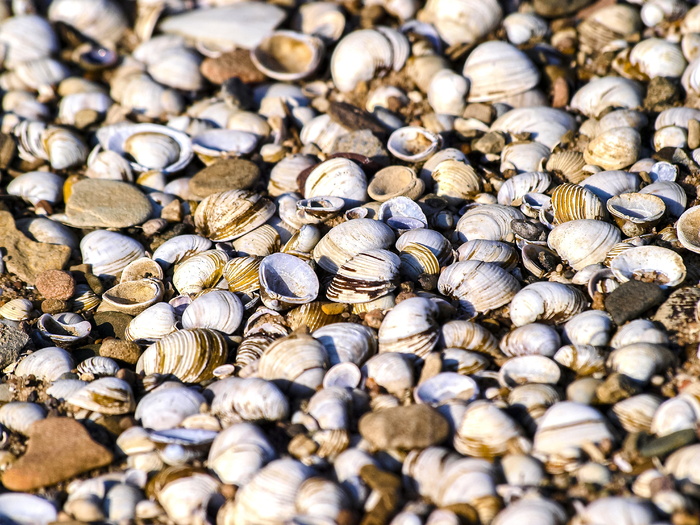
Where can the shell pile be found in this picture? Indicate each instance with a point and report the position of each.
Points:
(373, 261)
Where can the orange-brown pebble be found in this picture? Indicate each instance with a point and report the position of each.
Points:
(55, 284)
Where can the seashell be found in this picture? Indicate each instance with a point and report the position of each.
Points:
(607, 25)
(322, 19)
(238, 452)
(242, 274)
(402, 214)
(583, 242)
(143, 268)
(640, 361)
(445, 387)
(283, 176)
(531, 510)
(97, 366)
(133, 297)
(190, 355)
(19, 416)
(367, 276)
(455, 181)
(514, 189)
(413, 143)
(635, 413)
(286, 281)
(40, 229)
(212, 144)
(636, 213)
(231, 214)
(614, 149)
(486, 431)
(572, 202)
(167, 406)
(64, 148)
(570, 164)
(606, 184)
(64, 329)
(109, 252)
(47, 364)
(531, 339)
(288, 55)
(670, 137)
(296, 363)
(107, 395)
(615, 508)
(528, 369)
(638, 331)
(447, 93)
(18, 48)
(378, 56)
(343, 375)
(654, 57)
(585, 360)
(322, 132)
(342, 242)
(431, 239)
(487, 63)
(153, 147)
(687, 228)
(478, 286)
(538, 260)
(154, 323)
(26, 508)
(592, 327)
(650, 264)
(319, 209)
(200, 271)
(487, 221)
(179, 248)
(250, 399)
(347, 342)
(463, 361)
(395, 181)
(464, 21)
(185, 496)
(36, 186)
(546, 302)
(410, 327)
(467, 335)
(675, 414)
(17, 310)
(217, 309)
(39, 75)
(524, 156)
(547, 125)
(315, 315)
(671, 193)
(418, 264)
(102, 20)
(602, 93)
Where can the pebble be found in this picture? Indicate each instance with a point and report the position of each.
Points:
(111, 324)
(529, 230)
(26, 258)
(12, 342)
(125, 351)
(557, 8)
(364, 143)
(233, 64)
(678, 316)
(99, 203)
(55, 284)
(404, 427)
(54, 306)
(354, 118)
(58, 449)
(664, 445)
(631, 299)
(223, 175)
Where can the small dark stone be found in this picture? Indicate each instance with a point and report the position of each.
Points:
(224, 175)
(491, 142)
(111, 324)
(54, 306)
(12, 342)
(664, 445)
(237, 94)
(662, 93)
(557, 8)
(354, 118)
(631, 299)
(529, 230)
(482, 112)
(364, 143)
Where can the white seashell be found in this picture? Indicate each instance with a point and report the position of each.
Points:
(584, 360)
(523, 27)
(19, 507)
(678, 413)
(185, 498)
(410, 327)
(338, 177)
(212, 144)
(347, 342)
(639, 331)
(413, 143)
(101, 20)
(614, 149)
(365, 277)
(249, 399)
(487, 221)
(45, 230)
(107, 395)
(683, 463)
(64, 148)
(462, 21)
(167, 406)
(599, 94)
(447, 93)
(62, 388)
(531, 510)
(179, 248)
(231, 214)
(531, 339)
(322, 19)
(444, 387)
(512, 192)
(672, 194)
(655, 57)
(63, 330)
(47, 364)
(133, 297)
(143, 268)
(18, 47)
(660, 265)
(524, 156)
(616, 508)
(546, 125)
(528, 369)
(286, 281)
(283, 176)
(455, 181)
(238, 452)
(583, 242)
(36, 186)
(154, 323)
(546, 302)
(217, 309)
(485, 431)
(38, 75)
(640, 361)
(342, 242)
(360, 56)
(288, 55)
(109, 252)
(635, 413)
(670, 137)
(592, 327)
(17, 310)
(687, 228)
(19, 416)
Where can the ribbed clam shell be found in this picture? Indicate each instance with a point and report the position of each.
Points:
(250, 399)
(531, 339)
(496, 252)
(338, 177)
(585, 360)
(242, 274)
(640, 361)
(230, 214)
(288, 55)
(167, 406)
(18, 416)
(45, 230)
(651, 264)
(14, 33)
(359, 56)
(286, 281)
(65, 148)
(478, 286)
(154, 323)
(568, 163)
(413, 143)
(487, 64)
(602, 93)
(108, 395)
(592, 327)
(342, 242)
(16, 309)
(200, 271)
(419, 264)
(583, 242)
(295, 363)
(444, 387)
(605, 184)
(238, 452)
(547, 125)
(347, 342)
(608, 24)
(656, 56)
(261, 242)
(671, 193)
(367, 276)
(431, 239)
(547, 302)
(487, 221)
(512, 191)
(217, 309)
(485, 431)
(84, 299)
(317, 314)
(190, 355)
(614, 149)
(391, 371)
(410, 327)
(573, 202)
(109, 252)
(47, 364)
(133, 297)
(528, 369)
(455, 181)
(37, 186)
(636, 413)
(63, 330)
(467, 335)
(283, 176)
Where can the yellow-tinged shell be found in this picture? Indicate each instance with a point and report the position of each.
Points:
(190, 355)
(231, 214)
(571, 202)
(242, 274)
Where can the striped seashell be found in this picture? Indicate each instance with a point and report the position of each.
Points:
(231, 214)
(571, 202)
(242, 274)
(419, 264)
(201, 271)
(368, 275)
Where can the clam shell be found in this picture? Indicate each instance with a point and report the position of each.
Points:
(238, 452)
(528, 369)
(413, 143)
(17, 310)
(455, 181)
(109, 252)
(512, 192)
(547, 302)
(133, 297)
(250, 399)
(63, 330)
(359, 56)
(167, 406)
(286, 281)
(485, 431)
(154, 323)
(342, 242)
(367, 276)
(583, 242)
(410, 327)
(338, 177)
(602, 93)
(200, 271)
(288, 55)
(18, 416)
(347, 342)
(650, 264)
(488, 221)
(614, 149)
(179, 248)
(217, 309)
(531, 339)
(573, 202)
(47, 364)
(108, 395)
(467, 335)
(395, 181)
(688, 229)
(231, 214)
(243, 274)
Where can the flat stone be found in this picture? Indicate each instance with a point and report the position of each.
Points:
(125, 351)
(631, 299)
(223, 175)
(233, 64)
(678, 316)
(557, 8)
(404, 427)
(26, 258)
(99, 203)
(12, 342)
(111, 324)
(364, 143)
(58, 449)
(354, 118)
(54, 306)
(55, 284)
